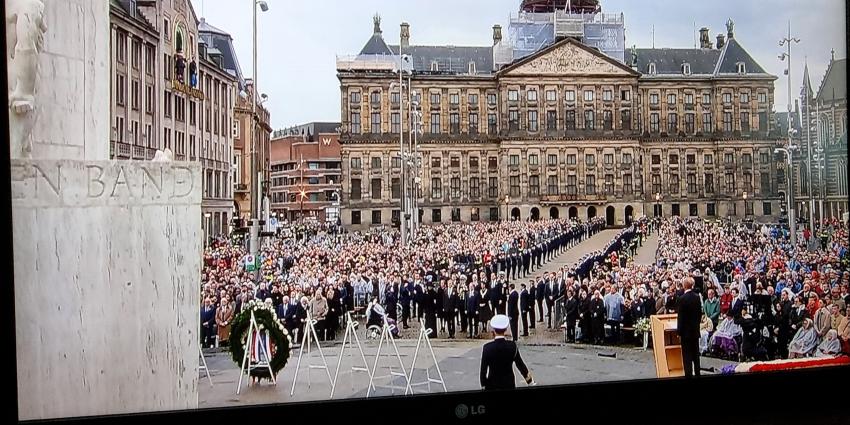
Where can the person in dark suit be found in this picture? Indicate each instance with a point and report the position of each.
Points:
(571, 310)
(524, 307)
(472, 298)
(301, 317)
(498, 357)
(531, 298)
(207, 323)
(391, 301)
(405, 297)
(526, 261)
(430, 309)
(553, 292)
(513, 312)
(450, 301)
(688, 327)
(541, 295)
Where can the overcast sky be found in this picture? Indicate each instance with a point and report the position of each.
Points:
(299, 40)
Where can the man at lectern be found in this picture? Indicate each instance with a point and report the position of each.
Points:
(687, 325)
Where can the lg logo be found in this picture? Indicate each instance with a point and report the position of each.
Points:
(462, 411)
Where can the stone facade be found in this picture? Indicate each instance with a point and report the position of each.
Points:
(567, 131)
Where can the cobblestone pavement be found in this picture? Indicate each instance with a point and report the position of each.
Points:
(551, 361)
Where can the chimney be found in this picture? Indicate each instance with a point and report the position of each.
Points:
(730, 29)
(405, 35)
(377, 22)
(497, 34)
(721, 41)
(704, 41)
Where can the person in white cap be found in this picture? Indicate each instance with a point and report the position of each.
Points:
(498, 358)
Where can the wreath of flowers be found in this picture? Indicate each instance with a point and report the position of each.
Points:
(266, 320)
(642, 326)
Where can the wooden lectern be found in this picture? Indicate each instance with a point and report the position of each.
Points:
(666, 346)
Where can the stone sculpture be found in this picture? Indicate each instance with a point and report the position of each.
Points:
(25, 30)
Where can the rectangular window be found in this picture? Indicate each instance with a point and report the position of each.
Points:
(494, 213)
(745, 122)
(395, 98)
(727, 122)
(706, 99)
(727, 98)
(474, 215)
(671, 99)
(376, 97)
(672, 123)
(706, 122)
(551, 120)
(534, 185)
(745, 97)
(708, 159)
(514, 186)
(730, 184)
(491, 124)
(491, 99)
(656, 183)
(376, 163)
(376, 122)
(454, 162)
(493, 163)
(590, 160)
(627, 184)
(729, 158)
(656, 159)
(455, 187)
(607, 120)
(552, 160)
(473, 163)
(435, 123)
(473, 123)
(766, 190)
(354, 97)
(355, 189)
(626, 117)
(376, 217)
(376, 188)
(395, 188)
(764, 157)
(435, 100)
(121, 47)
(674, 184)
(167, 106)
(690, 159)
(136, 95)
(570, 96)
(395, 122)
(120, 90)
(355, 122)
(435, 162)
(692, 183)
(455, 215)
(355, 217)
(474, 188)
(355, 163)
(710, 210)
(513, 160)
(608, 95)
(689, 123)
(746, 158)
(513, 120)
(552, 185)
(654, 122)
(571, 185)
(709, 183)
(609, 184)
(588, 95)
(653, 98)
(551, 96)
(396, 162)
(590, 183)
(589, 123)
(532, 95)
(625, 95)
(674, 159)
(689, 99)
(473, 100)
(627, 158)
(454, 99)
(533, 160)
(454, 123)
(570, 119)
(493, 187)
(513, 95)
(571, 159)
(532, 120)
(436, 215)
(766, 208)
(608, 159)
(748, 183)
(436, 188)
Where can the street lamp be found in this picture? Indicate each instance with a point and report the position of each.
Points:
(792, 224)
(746, 210)
(658, 205)
(255, 193)
(207, 229)
(507, 206)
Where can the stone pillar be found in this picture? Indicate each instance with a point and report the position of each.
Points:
(106, 253)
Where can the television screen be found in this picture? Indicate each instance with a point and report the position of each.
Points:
(217, 206)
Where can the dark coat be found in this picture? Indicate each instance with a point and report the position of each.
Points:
(690, 315)
(571, 308)
(525, 301)
(513, 304)
(497, 360)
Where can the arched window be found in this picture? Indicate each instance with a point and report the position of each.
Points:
(742, 67)
(178, 40)
(686, 68)
(824, 133)
(652, 68)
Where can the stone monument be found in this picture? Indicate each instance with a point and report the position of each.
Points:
(107, 254)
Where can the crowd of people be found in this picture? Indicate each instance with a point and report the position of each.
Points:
(456, 274)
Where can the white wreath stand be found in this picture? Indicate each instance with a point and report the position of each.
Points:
(203, 365)
(386, 334)
(310, 336)
(249, 350)
(424, 334)
(349, 338)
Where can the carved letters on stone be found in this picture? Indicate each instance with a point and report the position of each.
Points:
(25, 30)
(568, 59)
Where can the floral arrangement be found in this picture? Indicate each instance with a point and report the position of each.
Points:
(642, 326)
(266, 320)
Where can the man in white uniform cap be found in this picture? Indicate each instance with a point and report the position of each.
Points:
(498, 357)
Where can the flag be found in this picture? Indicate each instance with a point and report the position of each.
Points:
(251, 263)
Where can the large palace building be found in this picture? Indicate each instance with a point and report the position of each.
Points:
(565, 131)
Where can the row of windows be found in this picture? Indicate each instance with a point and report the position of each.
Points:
(711, 209)
(729, 183)
(728, 158)
(436, 215)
